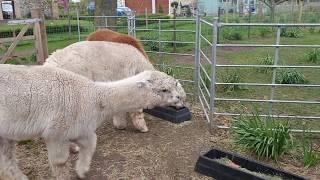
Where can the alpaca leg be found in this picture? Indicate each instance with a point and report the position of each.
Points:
(58, 153)
(87, 148)
(120, 121)
(138, 121)
(9, 169)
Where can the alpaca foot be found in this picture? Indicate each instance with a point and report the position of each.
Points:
(139, 122)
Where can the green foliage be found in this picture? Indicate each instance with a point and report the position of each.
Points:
(232, 34)
(310, 157)
(151, 41)
(174, 4)
(266, 137)
(268, 60)
(231, 77)
(166, 69)
(291, 32)
(290, 76)
(314, 56)
(263, 32)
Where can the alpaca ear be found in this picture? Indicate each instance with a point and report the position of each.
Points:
(142, 84)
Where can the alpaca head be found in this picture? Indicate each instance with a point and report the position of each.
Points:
(163, 89)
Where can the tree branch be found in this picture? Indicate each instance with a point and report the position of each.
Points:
(280, 2)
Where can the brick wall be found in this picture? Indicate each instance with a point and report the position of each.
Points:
(140, 6)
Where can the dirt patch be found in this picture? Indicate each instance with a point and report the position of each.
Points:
(168, 151)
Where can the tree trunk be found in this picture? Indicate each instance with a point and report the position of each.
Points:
(272, 12)
(227, 11)
(55, 9)
(105, 8)
(300, 10)
(1, 15)
(233, 9)
(260, 13)
(240, 8)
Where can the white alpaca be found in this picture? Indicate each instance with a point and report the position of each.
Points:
(62, 107)
(104, 61)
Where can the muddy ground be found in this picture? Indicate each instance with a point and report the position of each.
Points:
(168, 151)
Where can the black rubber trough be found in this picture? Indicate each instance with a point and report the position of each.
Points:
(170, 113)
(209, 165)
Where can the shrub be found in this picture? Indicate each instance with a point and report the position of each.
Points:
(263, 32)
(291, 32)
(290, 76)
(231, 34)
(310, 157)
(314, 56)
(166, 69)
(266, 137)
(152, 42)
(231, 77)
(268, 60)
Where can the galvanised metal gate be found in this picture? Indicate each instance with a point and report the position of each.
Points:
(208, 96)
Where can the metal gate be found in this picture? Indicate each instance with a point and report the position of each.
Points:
(207, 94)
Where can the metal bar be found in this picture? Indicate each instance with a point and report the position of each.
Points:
(174, 66)
(120, 17)
(204, 86)
(78, 24)
(269, 45)
(261, 84)
(269, 24)
(274, 70)
(166, 30)
(143, 19)
(207, 41)
(266, 115)
(291, 130)
(204, 110)
(205, 56)
(206, 22)
(272, 101)
(204, 98)
(263, 66)
(213, 70)
(178, 42)
(182, 54)
(205, 72)
(197, 54)
(159, 34)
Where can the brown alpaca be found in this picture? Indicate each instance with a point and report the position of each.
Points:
(112, 36)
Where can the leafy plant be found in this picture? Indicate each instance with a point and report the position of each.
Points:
(266, 137)
(314, 56)
(291, 32)
(166, 69)
(267, 60)
(290, 76)
(231, 34)
(151, 41)
(231, 77)
(263, 32)
(310, 157)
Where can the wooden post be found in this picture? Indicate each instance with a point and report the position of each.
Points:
(1, 15)
(17, 9)
(40, 34)
(174, 30)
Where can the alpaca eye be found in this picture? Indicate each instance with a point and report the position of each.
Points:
(165, 90)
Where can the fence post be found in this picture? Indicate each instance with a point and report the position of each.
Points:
(78, 24)
(159, 34)
(197, 56)
(213, 71)
(274, 70)
(134, 25)
(40, 34)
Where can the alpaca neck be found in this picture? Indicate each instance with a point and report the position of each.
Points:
(122, 96)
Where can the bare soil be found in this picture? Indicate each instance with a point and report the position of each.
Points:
(168, 151)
